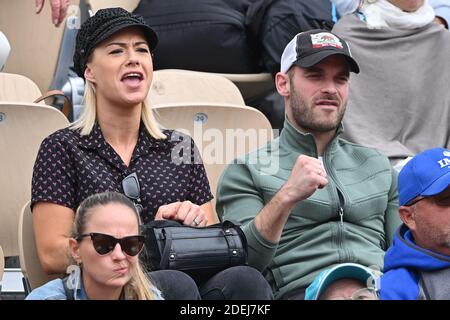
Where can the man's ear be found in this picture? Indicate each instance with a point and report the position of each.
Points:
(407, 215)
(282, 84)
(89, 74)
(75, 250)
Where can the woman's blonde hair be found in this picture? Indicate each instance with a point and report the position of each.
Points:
(89, 115)
(139, 287)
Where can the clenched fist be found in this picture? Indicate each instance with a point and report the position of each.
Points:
(306, 177)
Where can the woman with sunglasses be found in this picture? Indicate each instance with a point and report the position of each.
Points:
(117, 145)
(105, 245)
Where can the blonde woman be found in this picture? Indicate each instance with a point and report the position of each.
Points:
(105, 245)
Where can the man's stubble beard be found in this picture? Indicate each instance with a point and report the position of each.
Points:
(304, 114)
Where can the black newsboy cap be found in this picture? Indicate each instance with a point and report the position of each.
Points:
(103, 25)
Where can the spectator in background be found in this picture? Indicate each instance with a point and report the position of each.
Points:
(309, 199)
(441, 8)
(345, 281)
(406, 66)
(58, 7)
(104, 246)
(417, 265)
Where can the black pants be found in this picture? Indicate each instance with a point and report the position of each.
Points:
(235, 283)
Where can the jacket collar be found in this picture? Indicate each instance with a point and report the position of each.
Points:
(294, 140)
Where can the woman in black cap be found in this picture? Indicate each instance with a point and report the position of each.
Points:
(117, 145)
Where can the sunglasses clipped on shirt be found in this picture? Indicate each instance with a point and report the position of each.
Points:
(105, 243)
(132, 189)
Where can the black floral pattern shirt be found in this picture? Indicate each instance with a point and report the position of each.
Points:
(70, 167)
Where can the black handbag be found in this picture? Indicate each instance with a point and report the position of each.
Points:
(200, 252)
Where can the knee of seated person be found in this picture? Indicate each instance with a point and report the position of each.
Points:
(248, 280)
(175, 285)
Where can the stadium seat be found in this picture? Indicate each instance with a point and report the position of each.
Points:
(17, 88)
(95, 5)
(252, 86)
(29, 260)
(221, 132)
(182, 86)
(23, 126)
(2, 266)
(35, 41)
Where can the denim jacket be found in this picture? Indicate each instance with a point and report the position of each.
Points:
(54, 290)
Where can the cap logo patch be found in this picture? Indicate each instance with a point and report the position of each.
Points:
(444, 163)
(325, 39)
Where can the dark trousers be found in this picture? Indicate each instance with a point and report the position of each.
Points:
(175, 285)
(235, 283)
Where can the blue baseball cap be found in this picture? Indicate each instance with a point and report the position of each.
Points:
(338, 272)
(426, 174)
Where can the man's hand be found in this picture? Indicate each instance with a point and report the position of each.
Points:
(59, 9)
(306, 177)
(185, 212)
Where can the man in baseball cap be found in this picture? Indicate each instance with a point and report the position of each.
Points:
(323, 200)
(417, 266)
(426, 175)
(310, 47)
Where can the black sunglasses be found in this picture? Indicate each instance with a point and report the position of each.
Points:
(132, 189)
(104, 243)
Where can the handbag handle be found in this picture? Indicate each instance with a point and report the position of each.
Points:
(67, 107)
(166, 252)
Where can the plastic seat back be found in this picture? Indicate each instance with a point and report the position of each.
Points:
(18, 88)
(35, 41)
(29, 260)
(22, 129)
(183, 86)
(128, 5)
(222, 132)
(2, 266)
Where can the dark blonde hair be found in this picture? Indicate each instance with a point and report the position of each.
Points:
(139, 287)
